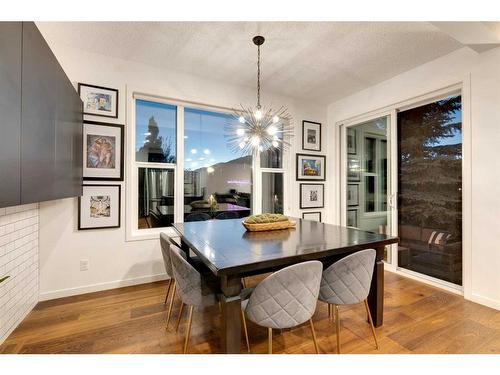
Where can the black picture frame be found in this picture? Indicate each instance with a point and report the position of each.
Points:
(350, 132)
(304, 135)
(356, 186)
(355, 218)
(122, 151)
(301, 203)
(119, 208)
(81, 84)
(312, 156)
(312, 212)
(352, 174)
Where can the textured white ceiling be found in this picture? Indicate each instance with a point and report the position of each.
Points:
(317, 61)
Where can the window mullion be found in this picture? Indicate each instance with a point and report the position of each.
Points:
(179, 172)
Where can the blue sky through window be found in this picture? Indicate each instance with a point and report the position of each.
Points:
(204, 141)
(164, 115)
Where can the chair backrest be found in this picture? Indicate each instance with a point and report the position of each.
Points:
(187, 279)
(226, 215)
(286, 298)
(348, 281)
(197, 216)
(165, 243)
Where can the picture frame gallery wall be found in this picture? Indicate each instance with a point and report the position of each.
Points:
(311, 167)
(103, 160)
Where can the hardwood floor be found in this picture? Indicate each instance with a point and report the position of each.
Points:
(418, 319)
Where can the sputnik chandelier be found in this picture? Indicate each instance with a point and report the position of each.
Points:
(259, 129)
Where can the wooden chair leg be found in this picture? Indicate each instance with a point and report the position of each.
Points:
(180, 316)
(371, 323)
(171, 304)
(188, 332)
(337, 327)
(168, 291)
(270, 341)
(244, 320)
(314, 336)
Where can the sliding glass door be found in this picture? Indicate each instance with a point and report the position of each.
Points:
(366, 157)
(402, 175)
(430, 189)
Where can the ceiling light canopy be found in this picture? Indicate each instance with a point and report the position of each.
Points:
(259, 129)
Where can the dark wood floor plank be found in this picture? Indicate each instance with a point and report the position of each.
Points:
(418, 319)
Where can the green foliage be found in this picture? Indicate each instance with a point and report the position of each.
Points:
(2, 279)
(430, 166)
(157, 149)
(265, 218)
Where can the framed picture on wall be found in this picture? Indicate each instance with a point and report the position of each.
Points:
(313, 216)
(99, 207)
(98, 100)
(103, 147)
(310, 167)
(353, 169)
(351, 141)
(312, 196)
(352, 195)
(352, 218)
(311, 136)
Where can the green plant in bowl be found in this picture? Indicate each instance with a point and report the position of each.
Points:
(265, 218)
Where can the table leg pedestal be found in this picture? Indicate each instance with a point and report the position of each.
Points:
(376, 296)
(231, 315)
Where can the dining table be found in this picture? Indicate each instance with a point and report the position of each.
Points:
(231, 253)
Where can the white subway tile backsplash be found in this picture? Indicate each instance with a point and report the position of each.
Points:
(19, 260)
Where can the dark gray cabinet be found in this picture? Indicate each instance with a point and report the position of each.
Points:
(50, 132)
(10, 113)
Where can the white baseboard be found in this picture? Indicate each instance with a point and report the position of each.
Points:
(45, 296)
(489, 302)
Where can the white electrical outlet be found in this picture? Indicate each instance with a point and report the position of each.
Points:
(84, 265)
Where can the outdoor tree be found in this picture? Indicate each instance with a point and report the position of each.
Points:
(156, 148)
(430, 165)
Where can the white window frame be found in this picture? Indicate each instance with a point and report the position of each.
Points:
(132, 231)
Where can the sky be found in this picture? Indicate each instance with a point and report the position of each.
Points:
(204, 141)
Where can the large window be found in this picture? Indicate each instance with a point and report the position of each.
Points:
(183, 169)
(212, 170)
(155, 158)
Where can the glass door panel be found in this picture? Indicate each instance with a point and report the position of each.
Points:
(430, 189)
(368, 176)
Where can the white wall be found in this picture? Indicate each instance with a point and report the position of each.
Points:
(480, 75)
(113, 261)
(19, 260)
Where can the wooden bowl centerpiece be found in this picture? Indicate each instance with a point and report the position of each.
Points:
(263, 222)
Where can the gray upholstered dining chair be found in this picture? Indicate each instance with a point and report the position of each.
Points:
(347, 282)
(194, 290)
(165, 242)
(285, 299)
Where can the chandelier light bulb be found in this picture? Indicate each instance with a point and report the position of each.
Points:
(210, 170)
(242, 145)
(275, 144)
(240, 131)
(194, 151)
(276, 119)
(206, 151)
(272, 130)
(258, 114)
(255, 140)
(261, 148)
(241, 119)
(275, 138)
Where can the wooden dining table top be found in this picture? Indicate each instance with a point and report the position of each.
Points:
(228, 249)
